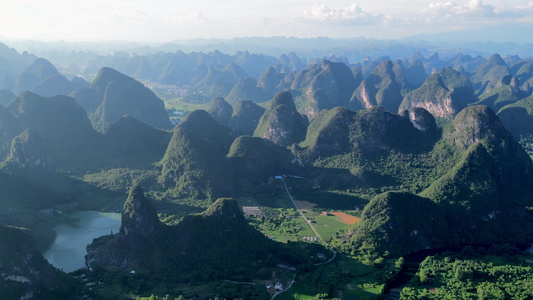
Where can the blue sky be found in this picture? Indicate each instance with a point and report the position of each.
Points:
(164, 21)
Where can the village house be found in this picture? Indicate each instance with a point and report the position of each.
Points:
(252, 211)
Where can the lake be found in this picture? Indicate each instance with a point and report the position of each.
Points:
(67, 252)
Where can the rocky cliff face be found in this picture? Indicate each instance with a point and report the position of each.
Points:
(135, 242)
(380, 88)
(139, 218)
(281, 123)
(213, 242)
(332, 86)
(433, 96)
(443, 94)
(421, 119)
(24, 273)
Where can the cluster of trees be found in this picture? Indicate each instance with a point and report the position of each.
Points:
(473, 274)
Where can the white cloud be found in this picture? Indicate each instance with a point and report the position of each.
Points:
(529, 5)
(352, 14)
(164, 20)
(194, 18)
(451, 10)
(475, 11)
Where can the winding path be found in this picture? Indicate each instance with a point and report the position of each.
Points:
(301, 213)
(314, 231)
(290, 285)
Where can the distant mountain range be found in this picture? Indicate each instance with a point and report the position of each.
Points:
(435, 145)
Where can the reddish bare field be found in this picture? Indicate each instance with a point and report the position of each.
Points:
(346, 218)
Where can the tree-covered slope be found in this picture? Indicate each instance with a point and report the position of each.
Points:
(245, 118)
(399, 222)
(281, 123)
(443, 94)
(380, 88)
(118, 95)
(369, 132)
(25, 273)
(479, 197)
(194, 164)
(215, 244)
(518, 119)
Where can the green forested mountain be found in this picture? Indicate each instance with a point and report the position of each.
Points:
(412, 154)
(506, 91)
(59, 120)
(134, 144)
(481, 197)
(517, 118)
(26, 273)
(254, 159)
(392, 222)
(221, 110)
(118, 95)
(324, 86)
(379, 89)
(369, 132)
(488, 74)
(247, 88)
(194, 164)
(245, 118)
(42, 78)
(281, 123)
(217, 243)
(443, 94)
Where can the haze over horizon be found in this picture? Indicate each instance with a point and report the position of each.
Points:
(161, 21)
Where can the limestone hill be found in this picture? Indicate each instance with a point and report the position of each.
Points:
(479, 198)
(245, 118)
(281, 123)
(194, 164)
(118, 95)
(380, 88)
(443, 94)
(217, 243)
(25, 274)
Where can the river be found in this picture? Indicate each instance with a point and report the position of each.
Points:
(68, 250)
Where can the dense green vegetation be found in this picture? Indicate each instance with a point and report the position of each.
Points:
(414, 184)
(473, 273)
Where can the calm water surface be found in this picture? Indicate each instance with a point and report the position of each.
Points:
(68, 249)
